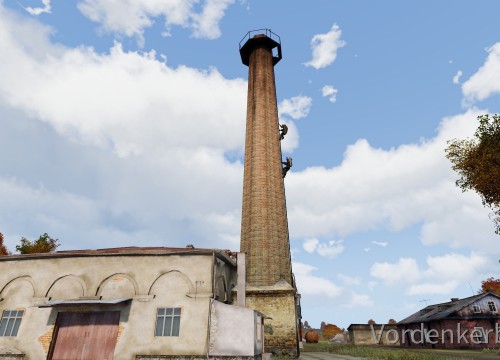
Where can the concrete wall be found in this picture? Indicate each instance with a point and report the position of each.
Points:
(235, 331)
(376, 334)
(184, 281)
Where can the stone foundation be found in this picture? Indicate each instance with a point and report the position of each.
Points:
(280, 326)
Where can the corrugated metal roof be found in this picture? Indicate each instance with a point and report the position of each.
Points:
(84, 302)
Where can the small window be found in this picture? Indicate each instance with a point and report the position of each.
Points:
(168, 321)
(492, 306)
(478, 335)
(11, 319)
(476, 308)
(391, 335)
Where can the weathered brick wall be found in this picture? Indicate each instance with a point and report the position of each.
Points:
(280, 332)
(454, 334)
(264, 226)
(46, 339)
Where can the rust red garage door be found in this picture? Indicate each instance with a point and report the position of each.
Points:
(86, 335)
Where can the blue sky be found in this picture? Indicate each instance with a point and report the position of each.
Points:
(123, 124)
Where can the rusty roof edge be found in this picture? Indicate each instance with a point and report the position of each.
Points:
(221, 254)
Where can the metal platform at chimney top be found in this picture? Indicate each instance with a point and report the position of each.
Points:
(260, 37)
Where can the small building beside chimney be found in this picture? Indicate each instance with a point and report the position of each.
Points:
(125, 303)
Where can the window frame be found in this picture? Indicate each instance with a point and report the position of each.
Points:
(479, 339)
(492, 306)
(168, 321)
(476, 309)
(12, 318)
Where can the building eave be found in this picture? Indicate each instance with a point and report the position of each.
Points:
(121, 252)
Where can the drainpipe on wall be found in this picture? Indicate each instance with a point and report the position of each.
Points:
(241, 280)
(210, 304)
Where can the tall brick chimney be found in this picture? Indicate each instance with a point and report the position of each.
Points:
(270, 286)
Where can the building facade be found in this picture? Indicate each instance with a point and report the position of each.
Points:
(469, 323)
(124, 303)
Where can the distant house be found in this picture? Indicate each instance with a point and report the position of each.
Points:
(472, 323)
(125, 303)
(373, 334)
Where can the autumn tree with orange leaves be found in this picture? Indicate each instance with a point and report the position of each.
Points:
(3, 249)
(330, 330)
(491, 285)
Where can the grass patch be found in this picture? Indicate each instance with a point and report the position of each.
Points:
(377, 352)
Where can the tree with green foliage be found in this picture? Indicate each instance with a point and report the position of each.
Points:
(44, 244)
(3, 249)
(477, 161)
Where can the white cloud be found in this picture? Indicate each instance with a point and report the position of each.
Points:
(296, 107)
(380, 243)
(358, 300)
(331, 92)
(132, 17)
(331, 249)
(156, 164)
(39, 10)
(442, 275)
(316, 288)
(349, 280)
(325, 47)
(372, 284)
(486, 81)
(310, 284)
(443, 288)
(205, 24)
(310, 245)
(456, 78)
(455, 266)
(404, 271)
(128, 101)
(392, 189)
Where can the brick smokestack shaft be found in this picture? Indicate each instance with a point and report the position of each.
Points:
(264, 228)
